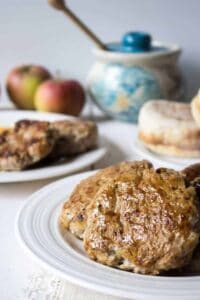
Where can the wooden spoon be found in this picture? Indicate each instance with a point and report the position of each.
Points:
(60, 5)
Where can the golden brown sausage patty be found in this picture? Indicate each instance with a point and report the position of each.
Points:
(75, 209)
(75, 137)
(134, 217)
(26, 144)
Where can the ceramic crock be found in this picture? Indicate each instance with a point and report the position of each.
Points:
(120, 82)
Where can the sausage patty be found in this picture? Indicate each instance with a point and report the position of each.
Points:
(74, 212)
(27, 143)
(145, 223)
(134, 217)
(75, 137)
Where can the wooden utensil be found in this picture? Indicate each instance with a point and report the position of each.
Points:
(60, 5)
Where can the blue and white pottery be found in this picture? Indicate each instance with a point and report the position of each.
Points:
(127, 75)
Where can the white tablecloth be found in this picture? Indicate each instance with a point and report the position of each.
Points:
(20, 277)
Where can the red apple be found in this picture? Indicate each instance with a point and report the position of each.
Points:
(22, 83)
(60, 96)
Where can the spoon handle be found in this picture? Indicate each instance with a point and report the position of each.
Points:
(83, 27)
(60, 5)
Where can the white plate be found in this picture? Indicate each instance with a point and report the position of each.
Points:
(8, 118)
(38, 230)
(161, 160)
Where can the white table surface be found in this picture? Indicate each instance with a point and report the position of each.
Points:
(20, 277)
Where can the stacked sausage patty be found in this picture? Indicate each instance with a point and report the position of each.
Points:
(30, 141)
(135, 217)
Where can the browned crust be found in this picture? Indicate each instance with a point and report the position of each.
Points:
(147, 222)
(192, 172)
(188, 147)
(74, 212)
(186, 144)
(27, 143)
(195, 105)
(75, 137)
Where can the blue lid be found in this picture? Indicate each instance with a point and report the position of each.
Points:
(134, 42)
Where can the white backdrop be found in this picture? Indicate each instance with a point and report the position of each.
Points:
(31, 31)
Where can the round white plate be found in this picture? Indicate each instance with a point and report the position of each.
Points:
(38, 230)
(9, 117)
(161, 160)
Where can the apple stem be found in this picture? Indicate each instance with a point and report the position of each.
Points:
(60, 5)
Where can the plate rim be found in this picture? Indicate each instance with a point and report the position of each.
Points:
(91, 285)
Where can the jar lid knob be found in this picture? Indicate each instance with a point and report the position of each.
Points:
(136, 41)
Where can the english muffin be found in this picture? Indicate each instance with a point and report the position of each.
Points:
(195, 105)
(168, 128)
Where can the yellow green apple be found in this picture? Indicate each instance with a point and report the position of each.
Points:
(22, 83)
(60, 96)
